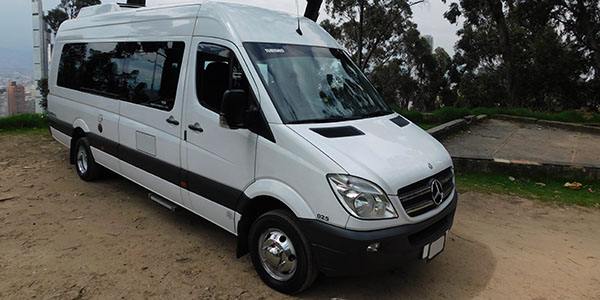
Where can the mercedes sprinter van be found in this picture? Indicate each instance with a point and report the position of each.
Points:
(271, 133)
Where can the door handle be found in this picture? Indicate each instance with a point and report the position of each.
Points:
(172, 120)
(196, 127)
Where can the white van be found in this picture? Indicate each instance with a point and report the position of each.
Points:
(271, 133)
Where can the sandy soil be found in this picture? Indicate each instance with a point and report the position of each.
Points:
(62, 238)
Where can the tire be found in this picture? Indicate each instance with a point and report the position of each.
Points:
(279, 229)
(86, 166)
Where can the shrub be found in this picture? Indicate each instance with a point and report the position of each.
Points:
(23, 121)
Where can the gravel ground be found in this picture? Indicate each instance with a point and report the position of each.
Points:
(62, 238)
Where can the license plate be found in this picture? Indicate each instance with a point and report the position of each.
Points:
(434, 248)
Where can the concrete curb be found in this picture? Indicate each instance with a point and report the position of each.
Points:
(528, 168)
(453, 126)
(562, 125)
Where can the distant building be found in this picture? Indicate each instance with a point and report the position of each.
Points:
(429, 39)
(3, 104)
(41, 47)
(16, 98)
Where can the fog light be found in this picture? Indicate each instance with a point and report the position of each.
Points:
(373, 247)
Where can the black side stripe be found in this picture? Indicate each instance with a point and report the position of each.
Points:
(214, 191)
(60, 125)
(104, 144)
(150, 164)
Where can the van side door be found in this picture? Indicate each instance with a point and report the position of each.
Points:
(150, 123)
(220, 161)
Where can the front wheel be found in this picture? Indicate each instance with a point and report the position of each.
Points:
(280, 252)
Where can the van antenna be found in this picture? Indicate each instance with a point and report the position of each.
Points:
(298, 30)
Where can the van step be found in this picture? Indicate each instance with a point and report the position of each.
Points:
(162, 201)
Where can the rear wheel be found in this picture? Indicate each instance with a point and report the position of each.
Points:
(86, 166)
(281, 253)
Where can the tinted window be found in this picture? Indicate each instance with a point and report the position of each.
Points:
(144, 73)
(217, 71)
(72, 66)
(153, 73)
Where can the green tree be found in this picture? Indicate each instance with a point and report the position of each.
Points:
(370, 29)
(67, 9)
(517, 58)
(42, 86)
(581, 22)
(387, 46)
(489, 18)
(55, 17)
(73, 7)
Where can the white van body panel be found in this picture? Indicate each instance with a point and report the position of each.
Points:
(166, 150)
(101, 26)
(79, 122)
(217, 154)
(297, 164)
(382, 142)
(155, 22)
(275, 27)
(61, 137)
(282, 192)
(108, 161)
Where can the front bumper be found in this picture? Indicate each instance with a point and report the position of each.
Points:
(340, 251)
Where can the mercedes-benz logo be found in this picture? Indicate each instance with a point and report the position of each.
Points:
(437, 192)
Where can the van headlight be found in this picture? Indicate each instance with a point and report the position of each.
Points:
(363, 199)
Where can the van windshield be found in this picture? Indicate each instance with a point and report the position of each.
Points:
(314, 84)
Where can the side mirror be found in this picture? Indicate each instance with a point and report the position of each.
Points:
(233, 109)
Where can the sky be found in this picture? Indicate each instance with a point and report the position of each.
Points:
(15, 19)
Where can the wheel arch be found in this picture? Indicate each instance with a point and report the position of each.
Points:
(262, 196)
(80, 129)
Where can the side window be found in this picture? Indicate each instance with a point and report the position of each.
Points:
(152, 73)
(145, 73)
(102, 71)
(94, 68)
(217, 70)
(71, 66)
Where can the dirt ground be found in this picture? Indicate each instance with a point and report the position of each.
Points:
(62, 238)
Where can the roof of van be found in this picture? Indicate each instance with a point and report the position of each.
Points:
(234, 22)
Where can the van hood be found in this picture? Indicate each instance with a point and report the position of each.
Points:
(379, 149)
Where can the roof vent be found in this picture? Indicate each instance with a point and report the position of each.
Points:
(98, 9)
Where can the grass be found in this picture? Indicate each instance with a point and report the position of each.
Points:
(552, 190)
(447, 114)
(24, 122)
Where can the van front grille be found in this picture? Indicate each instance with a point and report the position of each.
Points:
(416, 198)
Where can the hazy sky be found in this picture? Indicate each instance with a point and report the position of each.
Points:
(15, 19)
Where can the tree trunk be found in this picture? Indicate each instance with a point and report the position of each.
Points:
(588, 30)
(312, 9)
(506, 48)
(360, 34)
